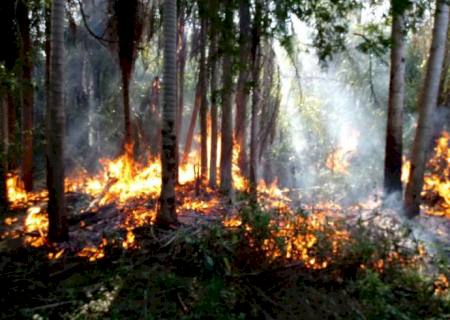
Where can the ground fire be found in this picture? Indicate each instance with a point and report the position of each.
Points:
(132, 189)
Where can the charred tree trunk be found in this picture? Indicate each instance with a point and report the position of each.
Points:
(394, 135)
(214, 122)
(26, 94)
(55, 158)
(167, 212)
(427, 106)
(226, 152)
(242, 89)
(203, 100)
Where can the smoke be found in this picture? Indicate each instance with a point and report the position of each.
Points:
(338, 109)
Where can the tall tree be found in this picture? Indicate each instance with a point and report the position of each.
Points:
(242, 89)
(254, 135)
(427, 105)
(214, 26)
(226, 152)
(58, 230)
(167, 211)
(394, 135)
(203, 90)
(3, 151)
(26, 95)
(181, 63)
(129, 30)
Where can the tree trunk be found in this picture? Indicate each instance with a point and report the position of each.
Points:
(55, 158)
(167, 212)
(254, 135)
(427, 106)
(213, 62)
(156, 115)
(3, 152)
(226, 152)
(127, 141)
(242, 89)
(203, 100)
(182, 52)
(192, 125)
(26, 94)
(394, 135)
(129, 31)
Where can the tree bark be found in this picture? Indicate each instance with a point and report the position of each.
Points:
(242, 89)
(58, 230)
(167, 211)
(226, 154)
(394, 134)
(427, 106)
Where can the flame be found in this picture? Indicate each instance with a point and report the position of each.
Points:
(436, 186)
(338, 161)
(437, 181)
(131, 185)
(406, 169)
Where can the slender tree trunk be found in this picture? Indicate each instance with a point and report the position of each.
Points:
(3, 152)
(182, 52)
(394, 135)
(181, 63)
(129, 31)
(214, 130)
(203, 100)
(242, 89)
(167, 212)
(58, 230)
(427, 106)
(156, 114)
(254, 136)
(226, 152)
(26, 94)
(192, 125)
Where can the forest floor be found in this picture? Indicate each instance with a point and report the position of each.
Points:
(223, 262)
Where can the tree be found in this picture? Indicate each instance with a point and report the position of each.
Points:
(242, 89)
(214, 26)
(3, 152)
(26, 95)
(167, 211)
(58, 230)
(394, 135)
(129, 30)
(203, 91)
(226, 152)
(213, 63)
(427, 105)
(254, 136)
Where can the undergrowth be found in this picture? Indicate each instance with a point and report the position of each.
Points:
(214, 272)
